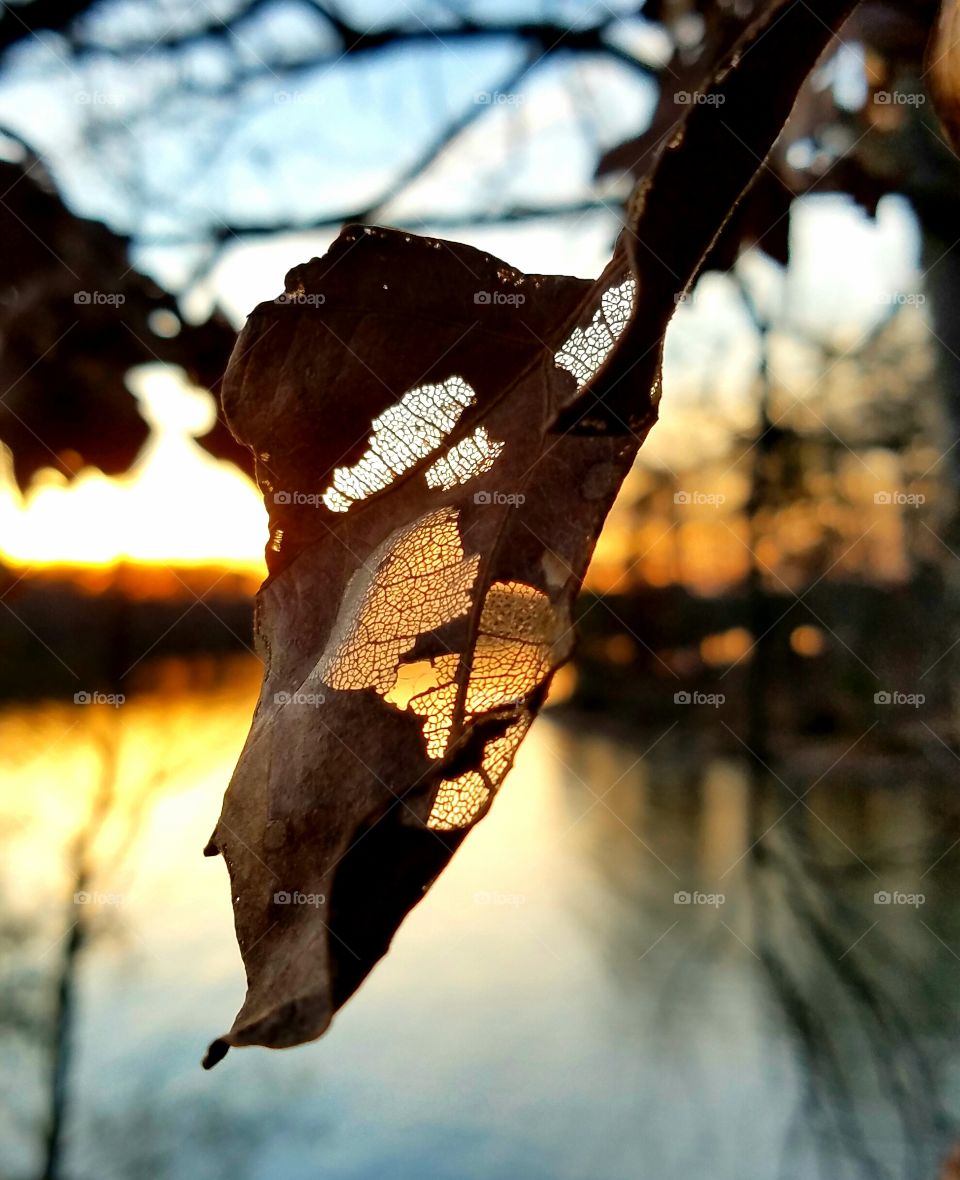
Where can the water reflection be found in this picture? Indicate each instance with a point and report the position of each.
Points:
(646, 962)
(825, 915)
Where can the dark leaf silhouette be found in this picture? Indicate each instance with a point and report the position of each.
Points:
(439, 438)
(421, 585)
(75, 317)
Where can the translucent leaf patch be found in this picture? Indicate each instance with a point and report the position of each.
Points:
(402, 436)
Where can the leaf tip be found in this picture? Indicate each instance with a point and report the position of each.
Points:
(216, 1051)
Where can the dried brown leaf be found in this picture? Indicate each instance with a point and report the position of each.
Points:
(421, 590)
(439, 438)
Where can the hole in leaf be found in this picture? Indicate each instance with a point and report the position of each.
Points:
(472, 456)
(585, 349)
(402, 435)
(421, 581)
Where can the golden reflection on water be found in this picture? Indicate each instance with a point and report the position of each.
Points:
(179, 738)
(571, 979)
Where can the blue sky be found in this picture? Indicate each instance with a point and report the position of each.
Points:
(153, 158)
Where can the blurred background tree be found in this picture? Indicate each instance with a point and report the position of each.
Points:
(194, 133)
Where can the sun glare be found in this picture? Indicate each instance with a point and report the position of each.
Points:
(176, 506)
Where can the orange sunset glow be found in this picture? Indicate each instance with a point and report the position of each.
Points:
(177, 505)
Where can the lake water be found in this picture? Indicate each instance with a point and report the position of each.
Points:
(554, 1009)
